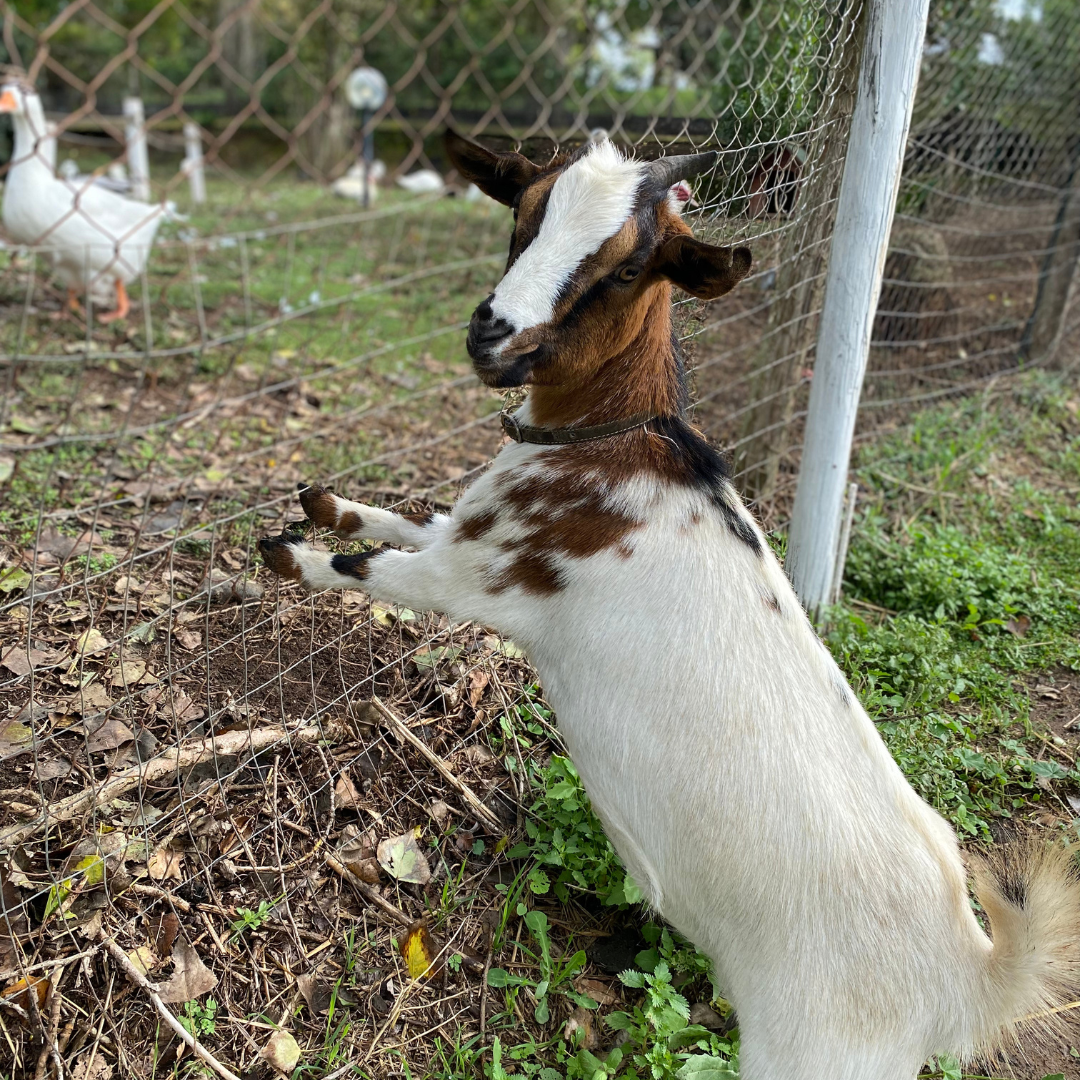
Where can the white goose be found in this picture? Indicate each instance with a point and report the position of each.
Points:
(97, 240)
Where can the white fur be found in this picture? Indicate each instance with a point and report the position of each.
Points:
(743, 785)
(589, 203)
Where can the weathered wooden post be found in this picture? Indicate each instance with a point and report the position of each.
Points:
(193, 162)
(137, 156)
(1047, 320)
(888, 76)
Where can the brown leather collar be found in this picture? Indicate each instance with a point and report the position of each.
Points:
(526, 433)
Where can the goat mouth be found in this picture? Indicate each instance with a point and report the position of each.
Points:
(502, 372)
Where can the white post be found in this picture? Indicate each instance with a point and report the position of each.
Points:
(138, 159)
(47, 146)
(193, 162)
(888, 75)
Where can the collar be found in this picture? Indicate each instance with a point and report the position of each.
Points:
(527, 433)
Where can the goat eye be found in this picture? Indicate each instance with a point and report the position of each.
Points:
(628, 273)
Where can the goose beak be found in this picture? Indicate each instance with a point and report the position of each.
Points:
(8, 102)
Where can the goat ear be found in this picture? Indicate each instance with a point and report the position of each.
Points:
(702, 270)
(498, 174)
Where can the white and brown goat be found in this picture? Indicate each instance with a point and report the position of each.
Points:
(735, 771)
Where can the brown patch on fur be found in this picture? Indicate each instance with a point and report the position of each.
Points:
(350, 524)
(475, 527)
(772, 602)
(531, 571)
(420, 519)
(276, 552)
(564, 515)
(321, 507)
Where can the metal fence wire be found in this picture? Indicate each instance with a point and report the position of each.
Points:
(191, 758)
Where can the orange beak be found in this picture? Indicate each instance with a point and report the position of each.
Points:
(8, 102)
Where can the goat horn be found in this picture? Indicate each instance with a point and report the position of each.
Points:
(666, 171)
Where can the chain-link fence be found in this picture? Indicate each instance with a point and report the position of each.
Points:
(191, 761)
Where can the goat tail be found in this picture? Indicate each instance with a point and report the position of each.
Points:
(1030, 891)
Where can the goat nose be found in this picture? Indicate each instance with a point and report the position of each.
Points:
(485, 328)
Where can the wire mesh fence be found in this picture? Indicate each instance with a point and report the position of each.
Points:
(185, 743)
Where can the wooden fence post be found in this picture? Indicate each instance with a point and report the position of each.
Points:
(137, 157)
(193, 162)
(888, 76)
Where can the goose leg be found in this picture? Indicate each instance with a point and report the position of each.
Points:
(72, 306)
(122, 305)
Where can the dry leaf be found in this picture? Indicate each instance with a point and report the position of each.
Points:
(581, 1020)
(188, 639)
(19, 993)
(92, 1067)
(21, 661)
(91, 641)
(14, 737)
(704, 1014)
(1019, 626)
(108, 735)
(418, 951)
(128, 673)
(367, 870)
(90, 699)
(190, 980)
(600, 991)
(345, 793)
(401, 857)
(165, 930)
(477, 681)
(281, 1052)
(165, 863)
(440, 811)
(142, 959)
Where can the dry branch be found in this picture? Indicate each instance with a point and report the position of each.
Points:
(368, 892)
(166, 764)
(150, 989)
(402, 731)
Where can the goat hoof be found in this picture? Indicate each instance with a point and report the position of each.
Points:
(320, 505)
(278, 553)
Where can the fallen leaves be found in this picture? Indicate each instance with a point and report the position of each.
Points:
(21, 661)
(1018, 626)
(14, 738)
(90, 642)
(418, 951)
(190, 979)
(281, 1052)
(401, 857)
(165, 863)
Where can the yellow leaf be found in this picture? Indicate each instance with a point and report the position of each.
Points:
(418, 951)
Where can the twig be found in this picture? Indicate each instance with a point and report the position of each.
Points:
(368, 892)
(161, 894)
(484, 985)
(150, 990)
(43, 965)
(164, 765)
(441, 767)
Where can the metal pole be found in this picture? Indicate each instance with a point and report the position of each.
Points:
(138, 159)
(369, 154)
(895, 30)
(193, 162)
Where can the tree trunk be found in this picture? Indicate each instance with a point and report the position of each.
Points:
(242, 48)
(1043, 330)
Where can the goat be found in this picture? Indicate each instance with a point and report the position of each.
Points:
(741, 782)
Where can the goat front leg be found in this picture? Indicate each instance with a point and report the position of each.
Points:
(356, 521)
(431, 580)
